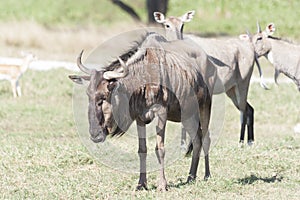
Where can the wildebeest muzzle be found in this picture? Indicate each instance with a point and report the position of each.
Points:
(98, 134)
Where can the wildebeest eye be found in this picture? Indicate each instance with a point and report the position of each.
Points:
(99, 103)
(111, 86)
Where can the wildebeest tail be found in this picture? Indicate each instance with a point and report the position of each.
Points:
(189, 149)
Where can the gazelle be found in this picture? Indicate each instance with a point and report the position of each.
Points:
(13, 72)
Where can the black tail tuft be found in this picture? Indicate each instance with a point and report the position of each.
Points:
(189, 149)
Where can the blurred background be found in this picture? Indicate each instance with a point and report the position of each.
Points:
(58, 29)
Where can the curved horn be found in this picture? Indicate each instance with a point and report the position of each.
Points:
(115, 75)
(122, 62)
(81, 66)
(258, 27)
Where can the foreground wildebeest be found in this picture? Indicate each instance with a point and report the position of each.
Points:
(167, 80)
(239, 58)
(284, 55)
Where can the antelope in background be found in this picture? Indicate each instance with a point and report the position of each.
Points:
(283, 55)
(13, 72)
(237, 55)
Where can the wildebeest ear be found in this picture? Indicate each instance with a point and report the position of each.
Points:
(187, 17)
(159, 17)
(112, 85)
(270, 29)
(79, 79)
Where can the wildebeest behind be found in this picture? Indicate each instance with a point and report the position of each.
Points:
(234, 60)
(284, 55)
(155, 81)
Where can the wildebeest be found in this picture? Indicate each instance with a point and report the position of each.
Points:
(154, 81)
(284, 55)
(235, 59)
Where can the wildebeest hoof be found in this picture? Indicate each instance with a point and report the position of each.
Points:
(141, 186)
(191, 179)
(250, 143)
(206, 177)
(162, 188)
(241, 144)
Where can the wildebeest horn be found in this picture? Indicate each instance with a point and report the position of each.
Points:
(81, 66)
(122, 62)
(114, 75)
(258, 27)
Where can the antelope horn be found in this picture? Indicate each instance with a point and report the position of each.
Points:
(248, 33)
(81, 66)
(258, 27)
(115, 75)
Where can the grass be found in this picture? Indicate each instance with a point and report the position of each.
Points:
(42, 157)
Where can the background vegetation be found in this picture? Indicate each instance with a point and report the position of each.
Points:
(41, 155)
(215, 16)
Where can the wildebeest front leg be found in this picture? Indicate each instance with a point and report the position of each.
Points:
(142, 151)
(160, 148)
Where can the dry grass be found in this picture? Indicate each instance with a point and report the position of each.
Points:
(42, 157)
(59, 43)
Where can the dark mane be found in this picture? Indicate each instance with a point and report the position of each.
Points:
(131, 51)
(168, 68)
